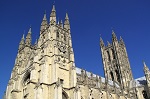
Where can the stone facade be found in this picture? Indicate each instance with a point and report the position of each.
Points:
(46, 70)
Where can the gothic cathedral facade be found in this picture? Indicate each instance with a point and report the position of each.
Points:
(46, 70)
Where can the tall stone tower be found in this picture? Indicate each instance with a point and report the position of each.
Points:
(45, 70)
(116, 62)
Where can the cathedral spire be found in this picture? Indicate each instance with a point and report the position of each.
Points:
(21, 44)
(44, 23)
(67, 23)
(53, 16)
(28, 38)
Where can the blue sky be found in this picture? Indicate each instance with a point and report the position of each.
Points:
(88, 18)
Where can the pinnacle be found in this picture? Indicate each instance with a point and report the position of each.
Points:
(144, 64)
(66, 16)
(53, 9)
(29, 30)
(101, 40)
(23, 36)
(44, 18)
(53, 13)
(108, 43)
(61, 22)
(121, 40)
(114, 37)
(58, 22)
(113, 33)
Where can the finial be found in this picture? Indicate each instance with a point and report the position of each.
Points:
(23, 36)
(66, 16)
(53, 9)
(58, 22)
(101, 42)
(114, 37)
(44, 18)
(144, 64)
(108, 43)
(113, 32)
(36, 41)
(61, 21)
(121, 40)
(29, 29)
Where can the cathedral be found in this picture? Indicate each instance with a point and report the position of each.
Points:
(46, 69)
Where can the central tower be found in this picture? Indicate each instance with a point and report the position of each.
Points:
(116, 62)
(45, 70)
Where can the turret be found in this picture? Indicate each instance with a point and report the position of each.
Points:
(21, 44)
(67, 23)
(53, 16)
(28, 38)
(44, 24)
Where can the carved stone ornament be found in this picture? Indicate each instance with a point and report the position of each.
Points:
(58, 83)
(61, 47)
(77, 88)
